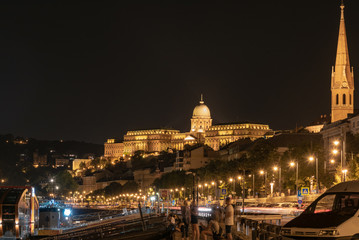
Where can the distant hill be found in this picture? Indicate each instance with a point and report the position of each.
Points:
(21, 145)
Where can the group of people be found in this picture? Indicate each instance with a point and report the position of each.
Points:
(189, 216)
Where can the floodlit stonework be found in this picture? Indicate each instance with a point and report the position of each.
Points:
(113, 149)
(202, 131)
(223, 134)
(342, 86)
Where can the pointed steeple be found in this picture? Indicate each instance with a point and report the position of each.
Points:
(342, 65)
(342, 76)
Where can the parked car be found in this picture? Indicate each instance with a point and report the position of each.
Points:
(333, 215)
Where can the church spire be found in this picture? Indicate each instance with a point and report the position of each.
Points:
(342, 76)
(342, 58)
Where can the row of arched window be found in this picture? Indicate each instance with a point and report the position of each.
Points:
(344, 97)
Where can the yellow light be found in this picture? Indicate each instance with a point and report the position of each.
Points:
(311, 158)
(292, 164)
(344, 171)
(335, 151)
(261, 172)
(239, 177)
(332, 161)
(231, 179)
(275, 168)
(212, 183)
(199, 185)
(205, 184)
(336, 142)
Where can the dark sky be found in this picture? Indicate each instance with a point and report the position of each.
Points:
(92, 70)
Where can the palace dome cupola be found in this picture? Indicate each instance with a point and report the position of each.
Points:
(201, 119)
(201, 110)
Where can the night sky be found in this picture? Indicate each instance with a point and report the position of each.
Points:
(87, 71)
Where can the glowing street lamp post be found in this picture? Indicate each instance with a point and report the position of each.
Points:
(252, 175)
(292, 164)
(214, 189)
(344, 171)
(239, 180)
(261, 172)
(311, 158)
(271, 189)
(342, 155)
(279, 169)
(234, 185)
(206, 185)
(194, 184)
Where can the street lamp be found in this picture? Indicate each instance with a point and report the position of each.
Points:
(234, 185)
(206, 185)
(252, 175)
(271, 189)
(336, 143)
(311, 159)
(292, 164)
(214, 189)
(193, 188)
(261, 172)
(344, 171)
(279, 169)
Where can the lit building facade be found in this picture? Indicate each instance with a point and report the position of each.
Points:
(152, 140)
(113, 149)
(202, 131)
(223, 134)
(342, 84)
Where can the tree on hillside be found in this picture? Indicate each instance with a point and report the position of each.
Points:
(130, 187)
(113, 189)
(65, 182)
(174, 179)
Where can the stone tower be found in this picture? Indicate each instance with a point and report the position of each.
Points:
(342, 77)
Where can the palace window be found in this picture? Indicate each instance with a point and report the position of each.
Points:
(350, 99)
(344, 99)
(337, 99)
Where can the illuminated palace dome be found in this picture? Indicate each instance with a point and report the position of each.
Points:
(201, 119)
(201, 110)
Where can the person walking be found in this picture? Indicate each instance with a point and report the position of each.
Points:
(194, 221)
(229, 218)
(186, 218)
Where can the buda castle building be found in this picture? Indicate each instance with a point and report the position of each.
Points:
(202, 131)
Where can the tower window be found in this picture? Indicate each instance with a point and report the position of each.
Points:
(350, 99)
(337, 99)
(344, 99)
